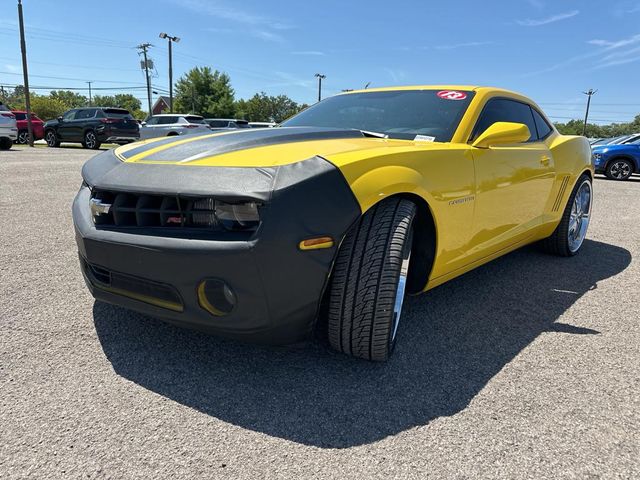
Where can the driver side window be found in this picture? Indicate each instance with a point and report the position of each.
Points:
(70, 115)
(505, 110)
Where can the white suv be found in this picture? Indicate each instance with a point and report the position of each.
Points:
(168, 124)
(8, 128)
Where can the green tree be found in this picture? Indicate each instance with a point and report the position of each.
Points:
(69, 98)
(205, 92)
(264, 108)
(46, 107)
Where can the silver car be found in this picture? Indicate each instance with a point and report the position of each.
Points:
(8, 128)
(168, 124)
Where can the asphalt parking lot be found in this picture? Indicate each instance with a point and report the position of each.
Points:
(528, 367)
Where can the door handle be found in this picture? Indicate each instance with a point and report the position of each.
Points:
(545, 161)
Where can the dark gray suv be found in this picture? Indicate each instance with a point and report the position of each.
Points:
(92, 126)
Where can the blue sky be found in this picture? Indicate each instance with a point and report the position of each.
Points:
(549, 50)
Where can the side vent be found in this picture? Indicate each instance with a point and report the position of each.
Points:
(563, 187)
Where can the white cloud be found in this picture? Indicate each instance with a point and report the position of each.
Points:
(608, 54)
(12, 68)
(396, 75)
(461, 45)
(261, 27)
(536, 3)
(313, 53)
(545, 21)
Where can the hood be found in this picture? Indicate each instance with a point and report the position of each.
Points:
(269, 147)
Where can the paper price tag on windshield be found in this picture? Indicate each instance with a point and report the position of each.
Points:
(424, 138)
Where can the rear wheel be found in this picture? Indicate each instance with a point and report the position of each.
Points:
(90, 140)
(619, 169)
(51, 139)
(368, 283)
(5, 143)
(23, 137)
(570, 233)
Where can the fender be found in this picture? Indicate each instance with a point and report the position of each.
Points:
(375, 185)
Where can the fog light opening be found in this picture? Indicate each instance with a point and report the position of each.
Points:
(216, 297)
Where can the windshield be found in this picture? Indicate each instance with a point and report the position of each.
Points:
(400, 114)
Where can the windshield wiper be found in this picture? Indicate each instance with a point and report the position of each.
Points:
(367, 133)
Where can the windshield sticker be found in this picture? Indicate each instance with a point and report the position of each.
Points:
(452, 95)
(424, 138)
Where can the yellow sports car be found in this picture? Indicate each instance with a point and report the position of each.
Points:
(329, 220)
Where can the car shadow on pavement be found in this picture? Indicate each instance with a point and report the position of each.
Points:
(453, 340)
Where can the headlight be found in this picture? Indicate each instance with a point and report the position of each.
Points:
(241, 216)
(230, 216)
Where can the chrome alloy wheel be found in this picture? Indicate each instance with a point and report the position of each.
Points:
(402, 284)
(51, 139)
(23, 138)
(620, 170)
(90, 140)
(580, 216)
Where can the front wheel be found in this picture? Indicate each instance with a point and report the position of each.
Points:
(368, 282)
(51, 139)
(619, 169)
(570, 233)
(23, 137)
(90, 140)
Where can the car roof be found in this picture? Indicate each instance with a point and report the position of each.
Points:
(177, 115)
(474, 88)
(227, 119)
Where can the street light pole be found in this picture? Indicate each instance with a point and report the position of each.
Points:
(90, 93)
(170, 40)
(589, 94)
(320, 76)
(25, 72)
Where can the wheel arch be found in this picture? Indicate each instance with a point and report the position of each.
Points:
(393, 181)
(623, 156)
(425, 238)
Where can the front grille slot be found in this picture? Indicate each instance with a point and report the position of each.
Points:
(139, 210)
(147, 291)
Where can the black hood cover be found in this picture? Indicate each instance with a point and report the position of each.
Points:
(209, 145)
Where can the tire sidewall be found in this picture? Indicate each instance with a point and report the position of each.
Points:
(619, 160)
(51, 134)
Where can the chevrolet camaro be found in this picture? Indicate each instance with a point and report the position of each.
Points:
(327, 222)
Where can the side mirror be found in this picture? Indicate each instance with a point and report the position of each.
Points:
(503, 133)
(143, 123)
(60, 119)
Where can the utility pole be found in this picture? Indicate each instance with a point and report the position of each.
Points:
(90, 93)
(320, 76)
(589, 94)
(171, 40)
(144, 47)
(25, 72)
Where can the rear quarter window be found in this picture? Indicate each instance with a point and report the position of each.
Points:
(544, 129)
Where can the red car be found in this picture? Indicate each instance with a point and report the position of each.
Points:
(36, 123)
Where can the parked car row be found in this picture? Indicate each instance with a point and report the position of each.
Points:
(8, 128)
(93, 126)
(618, 158)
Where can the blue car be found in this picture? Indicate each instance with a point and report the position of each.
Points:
(618, 161)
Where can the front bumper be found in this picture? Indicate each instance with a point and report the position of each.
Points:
(122, 139)
(277, 286)
(11, 133)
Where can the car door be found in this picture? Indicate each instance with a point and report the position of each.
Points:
(65, 126)
(513, 182)
(150, 129)
(77, 125)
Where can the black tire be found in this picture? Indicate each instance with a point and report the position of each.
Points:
(619, 169)
(23, 137)
(362, 319)
(51, 138)
(5, 143)
(90, 140)
(558, 243)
